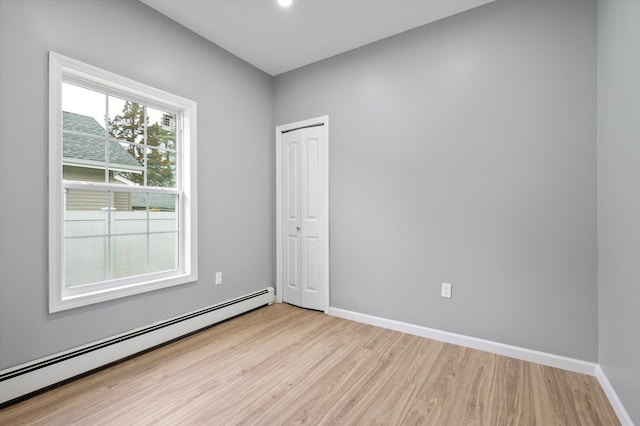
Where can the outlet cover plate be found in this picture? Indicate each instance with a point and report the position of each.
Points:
(446, 290)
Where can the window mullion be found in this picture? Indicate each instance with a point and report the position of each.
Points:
(179, 129)
(106, 139)
(145, 174)
(109, 260)
(148, 229)
(179, 224)
(144, 149)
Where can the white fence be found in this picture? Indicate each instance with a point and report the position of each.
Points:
(138, 244)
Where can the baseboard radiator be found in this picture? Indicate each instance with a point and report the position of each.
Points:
(22, 380)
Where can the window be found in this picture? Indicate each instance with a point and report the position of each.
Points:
(122, 186)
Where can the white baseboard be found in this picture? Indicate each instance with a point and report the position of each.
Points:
(565, 363)
(621, 412)
(24, 379)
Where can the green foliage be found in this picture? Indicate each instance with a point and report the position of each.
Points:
(130, 126)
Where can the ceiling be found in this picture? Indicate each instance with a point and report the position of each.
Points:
(276, 39)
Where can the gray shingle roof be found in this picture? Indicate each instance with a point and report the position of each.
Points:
(77, 148)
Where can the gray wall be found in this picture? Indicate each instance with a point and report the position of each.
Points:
(465, 152)
(235, 165)
(618, 199)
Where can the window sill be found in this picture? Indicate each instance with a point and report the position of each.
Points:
(69, 300)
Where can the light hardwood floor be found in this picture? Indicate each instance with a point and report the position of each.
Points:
(284, 365)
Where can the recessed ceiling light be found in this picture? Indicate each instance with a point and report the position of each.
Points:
(285, 3)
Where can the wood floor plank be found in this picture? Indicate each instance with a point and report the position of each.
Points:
(324, 395)
(313, 362)
(22, 413)
(471, 396)
(285, 365)
(435, 396)
(512, 384)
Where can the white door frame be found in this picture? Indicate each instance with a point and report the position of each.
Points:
(324, 121)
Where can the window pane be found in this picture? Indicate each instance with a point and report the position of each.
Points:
(83, 134)
(139, 201)
(126, 120)
(77, 100)
(126, 160)
(83, 153)
(85, 260)
(161, 131)
(85, 213)
(86, 200)
(161, 168)
(129, 255)
(84, 174)
(163, 252)
(162, 214)
(126, 220)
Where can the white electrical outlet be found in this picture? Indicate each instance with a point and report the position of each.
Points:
(446, 290)
(218, 278)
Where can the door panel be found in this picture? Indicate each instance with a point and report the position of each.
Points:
(312, 206)
(311, 189)
(311, 254)
(292, 276)
(303, 222)
(291, 217)
(293, 178)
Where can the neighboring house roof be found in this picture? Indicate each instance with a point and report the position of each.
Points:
(86, 148)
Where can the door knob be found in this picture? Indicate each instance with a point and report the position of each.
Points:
(297, 228)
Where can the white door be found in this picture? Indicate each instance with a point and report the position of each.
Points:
(304, 221)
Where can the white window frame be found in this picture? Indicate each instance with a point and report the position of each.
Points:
(62, 68)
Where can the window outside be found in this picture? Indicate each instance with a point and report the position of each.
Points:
(113, 233)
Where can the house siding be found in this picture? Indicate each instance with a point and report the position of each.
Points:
(77, 199)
